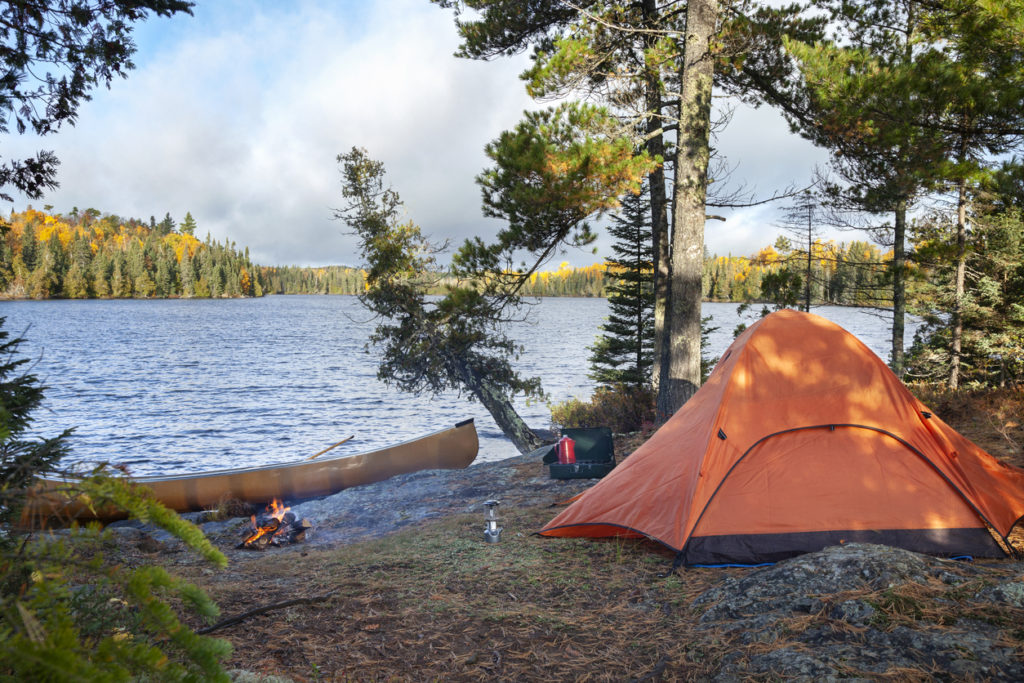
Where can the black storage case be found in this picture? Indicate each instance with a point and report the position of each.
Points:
(595, 454)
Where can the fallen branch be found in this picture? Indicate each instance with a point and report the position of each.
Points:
(231, 621)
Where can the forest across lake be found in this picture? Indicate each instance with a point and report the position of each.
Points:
(91, 255)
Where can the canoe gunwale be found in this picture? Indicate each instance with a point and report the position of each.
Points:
(294, 463)
(157, 478)
(450, 448)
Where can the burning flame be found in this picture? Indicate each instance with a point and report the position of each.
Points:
(275, 511)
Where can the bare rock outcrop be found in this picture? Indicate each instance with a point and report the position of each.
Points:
(864, 611)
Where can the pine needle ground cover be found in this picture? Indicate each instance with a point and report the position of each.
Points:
(434, 602)
(437, 603)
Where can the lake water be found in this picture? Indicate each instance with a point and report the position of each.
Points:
(165, 386)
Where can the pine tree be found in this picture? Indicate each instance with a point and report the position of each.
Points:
(29, 248)
(188, 225)
(802, 219)
(164, 279)
(187, 275)
(55, 590)
(867, 94)
(166, 226)
(6, 265)
(120, 280)
(76, 284)
(991, 321)
(102, 270)
(624, 353)
(979, 93)
(652, 61)
(460, 341)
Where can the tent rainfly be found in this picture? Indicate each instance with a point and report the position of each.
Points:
(802, 438)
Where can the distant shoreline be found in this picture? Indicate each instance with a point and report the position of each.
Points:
(5, 298)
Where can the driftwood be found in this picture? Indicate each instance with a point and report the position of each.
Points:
(238, 618)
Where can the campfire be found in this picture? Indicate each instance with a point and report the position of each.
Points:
(275, 526)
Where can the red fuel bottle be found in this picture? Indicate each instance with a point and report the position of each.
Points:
(566, 450)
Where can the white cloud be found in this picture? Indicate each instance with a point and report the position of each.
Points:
(238, 114)
(765, 158)
(241, 120)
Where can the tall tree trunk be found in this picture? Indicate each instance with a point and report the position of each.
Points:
(690, 193)
(659, 200)
(956, 322)
(662, 265)
(899, 287)
(810, 246)
(639, 296)
(899, 237)
(500, 408)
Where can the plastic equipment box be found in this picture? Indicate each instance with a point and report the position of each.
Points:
(595, 454)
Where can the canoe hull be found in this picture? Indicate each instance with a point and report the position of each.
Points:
(452, 448)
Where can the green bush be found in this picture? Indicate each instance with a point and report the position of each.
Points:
(67, 613)
(621, 408)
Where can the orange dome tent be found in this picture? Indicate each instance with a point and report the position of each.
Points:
(802, 438)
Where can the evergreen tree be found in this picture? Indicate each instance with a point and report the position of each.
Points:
(43, 283)
(137, 272)
(187, 275)
(6, 265)
(102, 271)
(188, 225)
(164, 279)
(120, 280)
(460, 342)
(166, 226)
(624, 353)
(54, 53)
(992, 317)
(637, 58)
(29, 247)
(979, 95)
(802, 219)
(76, 283)
(911, 97)
(56, 259)
(867, 97)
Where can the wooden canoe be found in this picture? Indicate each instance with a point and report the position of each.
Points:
(452, 448)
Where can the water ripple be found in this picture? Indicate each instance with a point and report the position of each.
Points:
(174, 386)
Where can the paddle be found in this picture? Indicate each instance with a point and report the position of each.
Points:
(330, 447)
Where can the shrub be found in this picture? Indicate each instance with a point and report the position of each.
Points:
(66, 612)
(621, 408)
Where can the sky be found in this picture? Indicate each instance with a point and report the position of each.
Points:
(238, 113)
